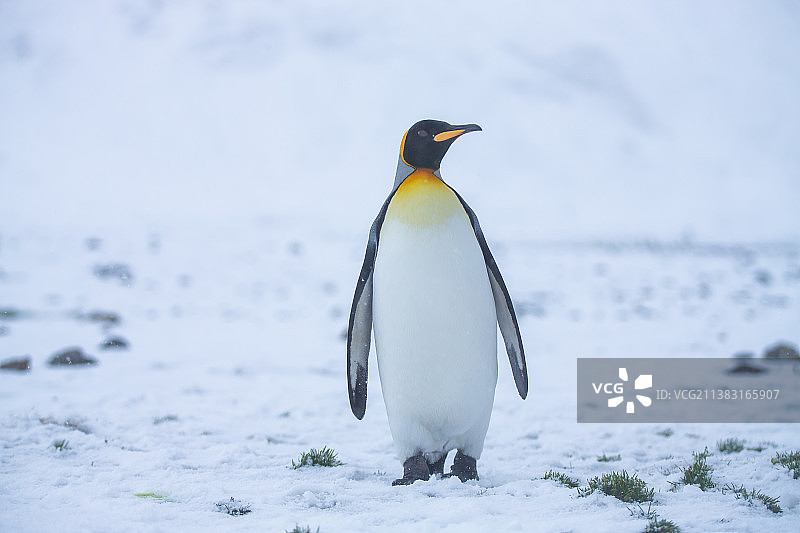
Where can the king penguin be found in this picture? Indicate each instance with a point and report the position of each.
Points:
(433, 295)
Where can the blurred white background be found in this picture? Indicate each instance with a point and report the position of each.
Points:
(662, 120)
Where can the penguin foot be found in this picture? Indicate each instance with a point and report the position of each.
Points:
(464, 467)
(414, 468)
(438, 466)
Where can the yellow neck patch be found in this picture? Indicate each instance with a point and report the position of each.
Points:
(423, 200)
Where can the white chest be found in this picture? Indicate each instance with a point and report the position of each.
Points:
(433, 311)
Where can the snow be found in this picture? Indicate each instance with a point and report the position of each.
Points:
(636, 179)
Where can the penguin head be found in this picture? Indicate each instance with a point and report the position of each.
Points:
(426, 142)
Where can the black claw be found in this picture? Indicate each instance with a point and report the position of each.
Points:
(438, 466)
(414, 468)
(464, 466)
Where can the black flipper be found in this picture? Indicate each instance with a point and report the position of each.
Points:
(360, 327)
(503, 306)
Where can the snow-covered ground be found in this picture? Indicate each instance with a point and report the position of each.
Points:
(637, 178)
(236, 367)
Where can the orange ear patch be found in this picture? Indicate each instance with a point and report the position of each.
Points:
(423, 200)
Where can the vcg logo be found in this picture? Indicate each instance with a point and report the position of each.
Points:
(644, 381)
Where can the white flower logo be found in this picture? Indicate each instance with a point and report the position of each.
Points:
(644, 381)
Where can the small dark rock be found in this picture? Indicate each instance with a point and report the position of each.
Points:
(114, 343)
(744, 355)
(21, 364)
(763, 277)
(295, 248)
(118, 271)
(743, 367)
(103, 317)
(94, 243)
(530, 308)
(71, 357)
(781, 350)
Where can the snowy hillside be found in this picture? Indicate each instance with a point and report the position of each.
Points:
(198, 179)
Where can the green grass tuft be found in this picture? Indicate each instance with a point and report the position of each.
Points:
(300, 529)
(150, 496)
(9, 313)
(641, 512)
(562, 478)
(622, 486)
(609, 458)
(162, 419)
(61, 445)
(742, 493)
(731, 445)
(657, 525)
(699, 473)
(323, 457)
(666, 433)
(654, 523)
(790, 460)
(233, 507)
